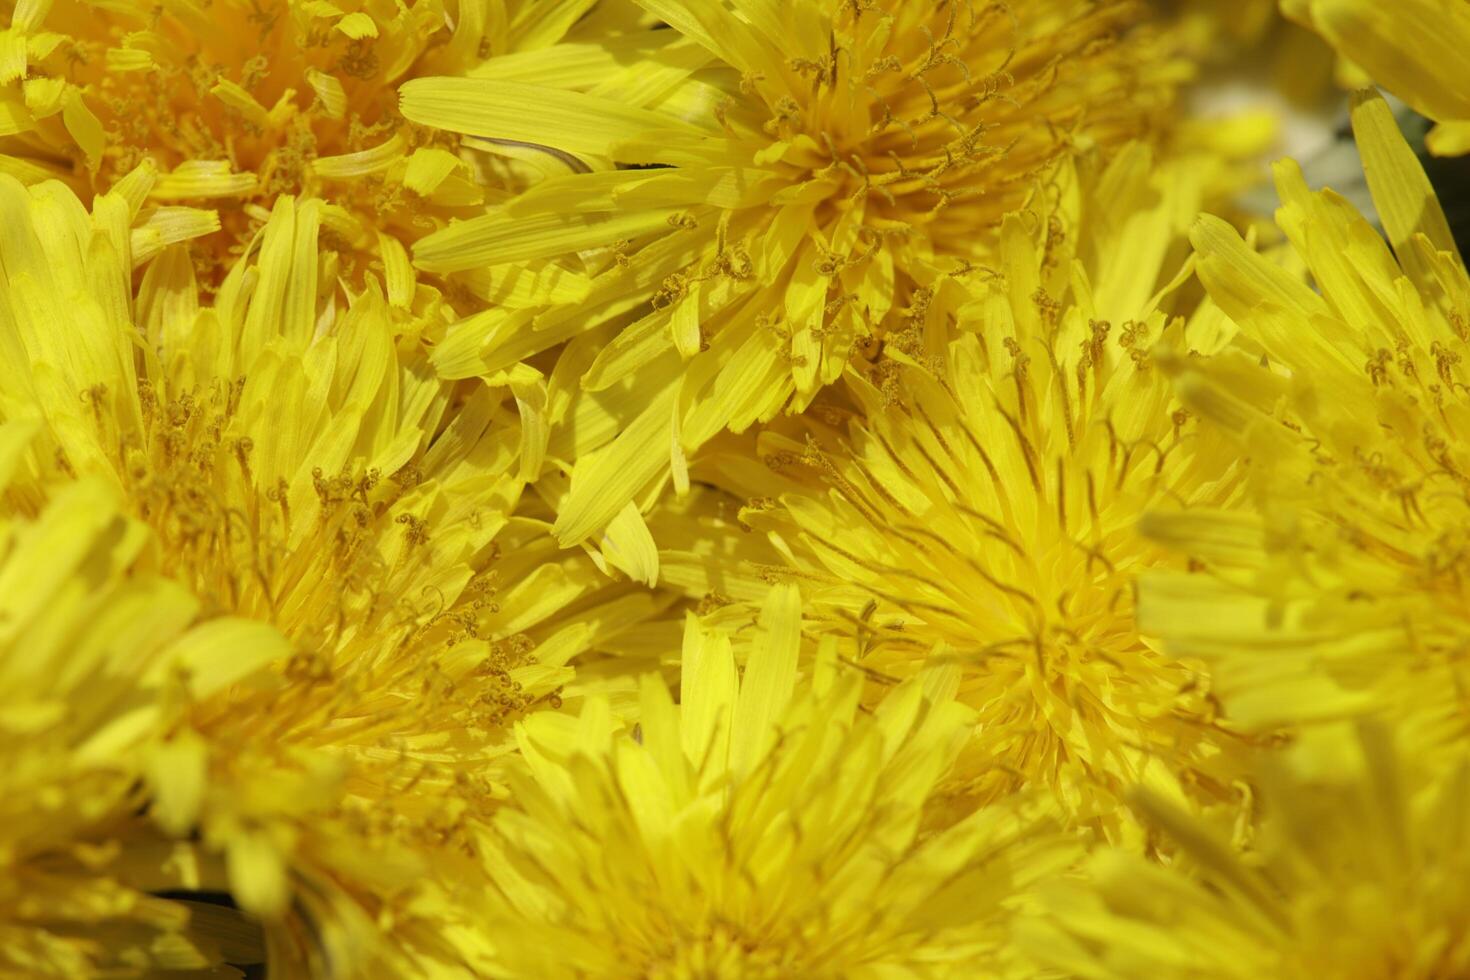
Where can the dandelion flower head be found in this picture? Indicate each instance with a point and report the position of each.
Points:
(1359, 871)
(1343, 577)
(236, 102)
(763, 827)
(299, 465)
(783, 184)
(92, 641)
(980, 506)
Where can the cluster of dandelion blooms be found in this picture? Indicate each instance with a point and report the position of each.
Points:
(838, 168)
(727, 488)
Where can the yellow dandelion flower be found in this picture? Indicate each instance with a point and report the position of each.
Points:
(299, 465)
(238, 101)
(1414, 48)
(1360, 871)
(814, 165)
(91, 645)
(1340, 586)
(764, 827)
(980, 507)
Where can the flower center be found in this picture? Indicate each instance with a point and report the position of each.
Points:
(239, 102)
(939, 115)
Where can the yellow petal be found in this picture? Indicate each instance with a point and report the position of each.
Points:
(1405, 199)
(357, 26)
(1449, 139)
(129, 59)
(707, 690)
(1238, 278)
(12, 56)
(370, 161)
(329, 91)
(29, 14)
(531, 114)
(398, 274)
(241, 101)
(428, 166)
(770, 677)
(203, 178)
(257, 872)
(496, 238)
(605, 480)
(627, 544)
(158, 228)
(83, 125)
(177, 771)
(222, 651)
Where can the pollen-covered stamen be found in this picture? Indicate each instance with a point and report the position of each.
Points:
(990, 519)
(1402, 501)
(340, 573)
(1020, 596)
(920, 110)
(910, 136)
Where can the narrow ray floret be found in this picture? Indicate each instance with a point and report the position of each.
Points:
(1359, 871)
(773, 185)
(1341, 587)
(980, 506)
(762, 827)
(296, 463)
